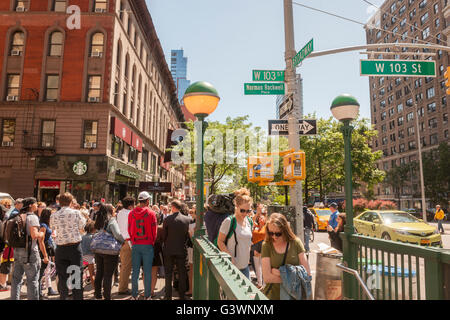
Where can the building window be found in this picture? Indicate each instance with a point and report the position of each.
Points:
(432, 123)
(410, 131)
(409, 116)
(425, 33)
(432, 107)
(97, 42)
(412, 145)
(59, 5)
(94, 88)
(117, 147)
(22, 5)
(48, 134)
(8, 132)
(13, 87)
(445, 118)
(430, 93)
(116, 94)
(424, 18)
(132, 155)
(100, 5)
(401, 134)
(52, 88)
(90, 134)
(17, 44)
(55, 45)
(144, 163)
(433, 139)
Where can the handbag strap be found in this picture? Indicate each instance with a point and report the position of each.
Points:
(285, 254)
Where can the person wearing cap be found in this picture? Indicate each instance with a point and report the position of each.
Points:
(439, 216)
(142, 229)
(28, 260)
(94, 211)
(332, 222)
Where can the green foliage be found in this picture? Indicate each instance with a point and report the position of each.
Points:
(436, 172)
(398, 176)
(325, 157)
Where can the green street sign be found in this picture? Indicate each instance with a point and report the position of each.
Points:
(264, 88)
(302, 54)
(410, 68)
(268, 75)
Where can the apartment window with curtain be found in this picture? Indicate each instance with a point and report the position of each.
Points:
(13, 87)
(90, 128)
(52, 87)
(17, 44)
(100, 5)
(94, 88)
(59, 5)
(7, 132)
(48, 133)
(97, 42)
(55, 44)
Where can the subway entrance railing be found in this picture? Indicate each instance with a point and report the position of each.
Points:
(216, 278)
(398, 271)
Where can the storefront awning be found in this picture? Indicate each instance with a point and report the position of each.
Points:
(120, 130)
(136, 142)
(49, 184)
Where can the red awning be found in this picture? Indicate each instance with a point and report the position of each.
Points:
(136, 142)
(49, 184)
(120, 130)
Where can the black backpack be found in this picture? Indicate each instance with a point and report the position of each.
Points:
(15, 232)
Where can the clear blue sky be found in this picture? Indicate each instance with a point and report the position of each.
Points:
(225, 40)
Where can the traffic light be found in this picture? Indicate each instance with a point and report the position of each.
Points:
(447, 78)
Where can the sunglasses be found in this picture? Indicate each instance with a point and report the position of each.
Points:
(276, 234)
(245, 211)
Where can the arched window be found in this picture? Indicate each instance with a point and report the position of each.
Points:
(17, 43)
(97, 42)
(55, 44)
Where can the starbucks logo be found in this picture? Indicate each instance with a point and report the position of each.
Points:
(80, 168)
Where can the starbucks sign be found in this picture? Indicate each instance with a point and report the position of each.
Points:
(80, 168)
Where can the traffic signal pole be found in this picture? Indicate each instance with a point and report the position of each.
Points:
(294, 138)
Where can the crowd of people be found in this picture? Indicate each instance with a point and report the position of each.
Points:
(108, 245)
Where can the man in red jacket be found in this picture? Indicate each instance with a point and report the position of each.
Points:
(142, 227)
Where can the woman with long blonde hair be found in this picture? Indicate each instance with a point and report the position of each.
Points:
(281, 247)
(235, 234)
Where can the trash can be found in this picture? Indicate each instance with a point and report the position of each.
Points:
(374, 279)
(328, 277)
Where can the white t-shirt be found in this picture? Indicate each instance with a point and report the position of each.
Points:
(122, 220)
(244, 237)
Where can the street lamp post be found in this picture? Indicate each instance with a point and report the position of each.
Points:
(201, 99)
(345, 108)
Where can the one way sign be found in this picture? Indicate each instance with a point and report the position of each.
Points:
(280, 127)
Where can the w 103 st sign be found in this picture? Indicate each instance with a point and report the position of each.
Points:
(410, 68)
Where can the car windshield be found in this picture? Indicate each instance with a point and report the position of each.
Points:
(398, 217)
(323, 212)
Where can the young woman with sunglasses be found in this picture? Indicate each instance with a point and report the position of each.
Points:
(278, 235)
(242, 225)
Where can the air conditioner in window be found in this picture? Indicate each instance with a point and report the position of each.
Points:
(16, 53)
(100, 10)
(94, 99)
(20, 9)
(11, 98)
(97, 54)
(7, 143)
(90, 145)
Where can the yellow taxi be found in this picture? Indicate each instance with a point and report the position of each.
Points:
(322, 215)
(397, 226)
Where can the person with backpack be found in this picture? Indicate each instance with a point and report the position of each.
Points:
(7, 256)
(68, 225)
(106, 264)
(142, 229)
(176, 234)
(22, 234)
(215, 214)
(235, 234)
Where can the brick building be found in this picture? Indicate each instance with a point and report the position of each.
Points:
(83, 108)
(397, 101)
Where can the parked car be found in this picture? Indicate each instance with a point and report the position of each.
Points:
(397, 226)
(322, 215)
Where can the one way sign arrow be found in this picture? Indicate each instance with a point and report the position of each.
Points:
(280, 127)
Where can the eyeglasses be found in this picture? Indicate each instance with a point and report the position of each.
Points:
(276, 234)
(245, 211)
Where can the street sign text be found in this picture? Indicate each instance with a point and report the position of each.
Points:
(302, 54)
(281, 127)
(268, 75)
(264, 88)
(410, 68)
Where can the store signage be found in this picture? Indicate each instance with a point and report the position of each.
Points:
(127, 173)
(80, 168)
(155, 186)
(136, 142)
(120, 130)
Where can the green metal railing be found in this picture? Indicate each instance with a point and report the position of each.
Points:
(218, 278)
(398, 271)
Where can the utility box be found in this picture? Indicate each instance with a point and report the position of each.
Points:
(294, 166)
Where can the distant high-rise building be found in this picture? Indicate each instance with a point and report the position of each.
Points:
(178, 67)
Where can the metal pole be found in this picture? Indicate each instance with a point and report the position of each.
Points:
(422, 186)
(199, 228)
(294, 138)
(349, 250)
